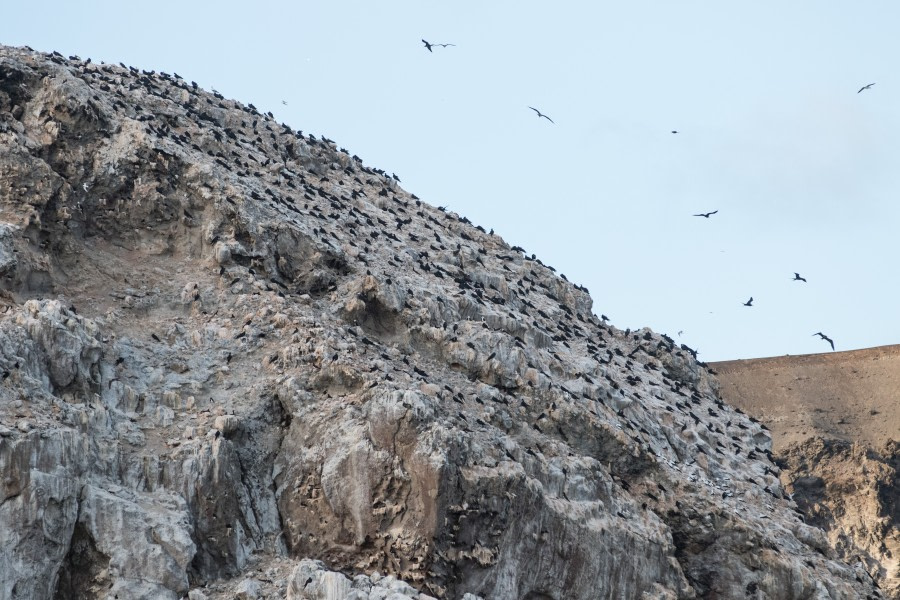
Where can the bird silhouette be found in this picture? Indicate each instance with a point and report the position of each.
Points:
(798, 278)
(429, 45)
(749, 302)
(826, 338)
(540, 114)
(707, 214)
(673, 131)
(865, 87)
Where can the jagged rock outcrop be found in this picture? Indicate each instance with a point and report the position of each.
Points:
(228, 345)
(851, 491)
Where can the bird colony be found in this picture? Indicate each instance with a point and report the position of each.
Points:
(238, 362)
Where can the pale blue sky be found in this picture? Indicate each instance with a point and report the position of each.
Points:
(804, 171)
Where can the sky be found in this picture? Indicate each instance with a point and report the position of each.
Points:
(803, 170)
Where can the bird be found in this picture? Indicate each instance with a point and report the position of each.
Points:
(540, 114)
(798, 278)
(283, 102)
(826, 338)
(865, 87)
(707, 215)
(673, 131)
(429, 45)
(749, 302)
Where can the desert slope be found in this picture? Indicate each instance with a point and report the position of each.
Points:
(850, 396)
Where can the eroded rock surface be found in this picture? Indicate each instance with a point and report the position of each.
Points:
(228, 346)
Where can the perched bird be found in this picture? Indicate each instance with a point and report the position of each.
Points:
(865, 87)
(540, 114)
(749, 302)
(798, 278)
(826, 338)
(707, 215)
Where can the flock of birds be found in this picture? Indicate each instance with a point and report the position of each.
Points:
(749, 303)
(797, 276)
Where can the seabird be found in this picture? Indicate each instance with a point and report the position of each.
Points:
(749, 302)
(798, 278)
(540, 114)
(429, 45)
(865, 87)
(707, 215)
(825, 337)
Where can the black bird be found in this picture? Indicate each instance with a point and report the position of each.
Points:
(826, 338)
(673, 131)
(540, 114)
(429, 45)
(865, 87)
(749, 302)
(707, 215)
(798, 278)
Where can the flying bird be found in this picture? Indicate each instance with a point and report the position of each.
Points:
(865, 87)
(540, 114)
(707, 214)
(429, 45)
(825, 337)
(749, 302)
(798, 278)
(673, 131)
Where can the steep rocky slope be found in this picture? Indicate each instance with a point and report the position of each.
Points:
(227, 346)
(835, 421)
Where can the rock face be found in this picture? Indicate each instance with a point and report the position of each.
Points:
(227, 345)
(833, 417)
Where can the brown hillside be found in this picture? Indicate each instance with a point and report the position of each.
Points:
(852, 396)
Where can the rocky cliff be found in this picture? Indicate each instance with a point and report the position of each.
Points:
(835, 421)
(227, 346)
